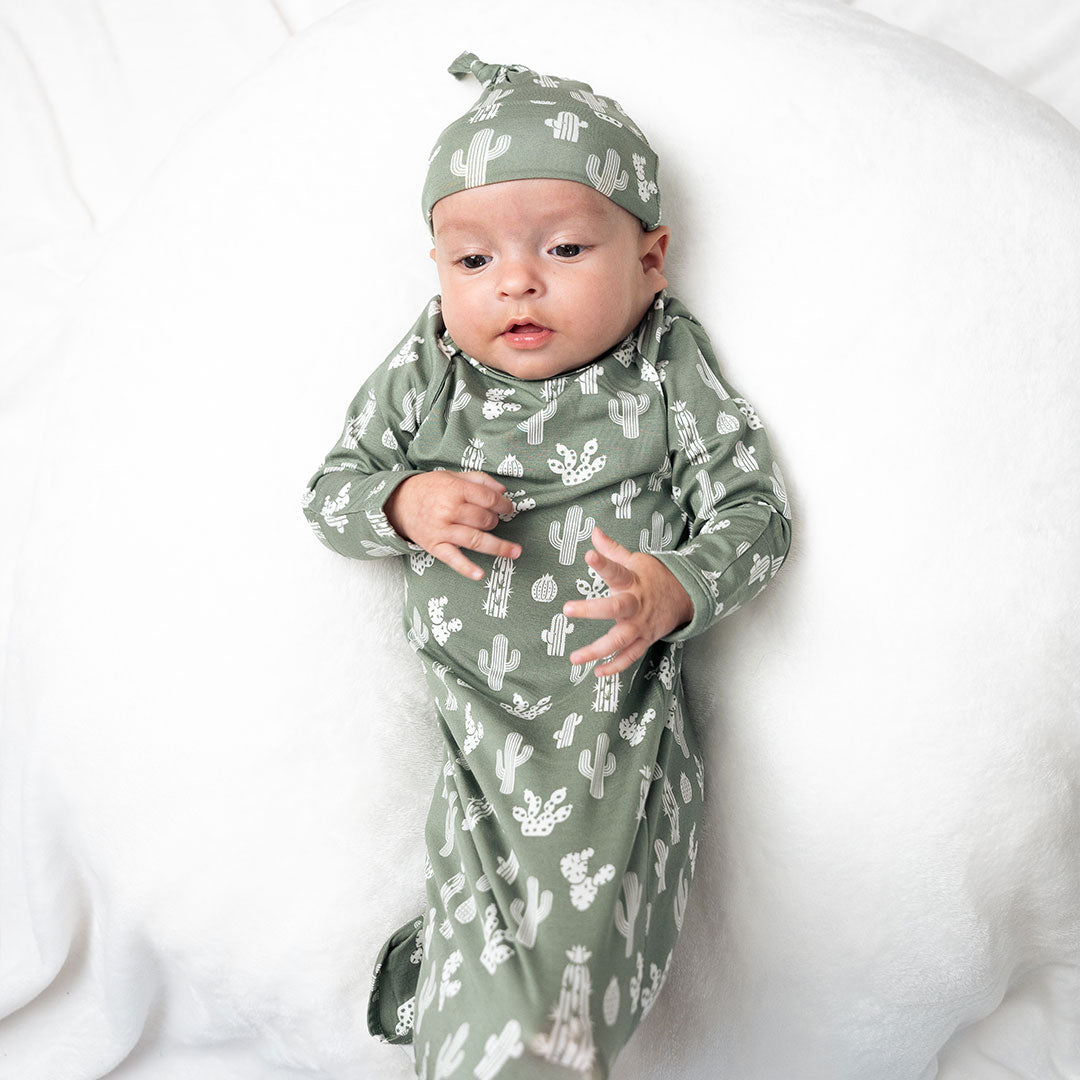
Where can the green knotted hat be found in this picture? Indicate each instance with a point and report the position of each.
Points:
(529, 126)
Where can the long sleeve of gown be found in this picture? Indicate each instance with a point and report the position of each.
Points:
(725, 478)
(344, 500)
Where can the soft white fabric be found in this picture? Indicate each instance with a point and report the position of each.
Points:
(1035, 45)
(216, 761)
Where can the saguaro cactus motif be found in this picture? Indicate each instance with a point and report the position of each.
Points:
(570, 1041)
(674, 723)
(712, 493)
(555, 635)
(530, 913)
(595, 769)
(661, 850)
(473, 455)
(657, 537)
(564, 737)
(412, 405)
(682, 892)
(498, 1050)
(496, 949)
(606, 697)
(708, 377)
(566, 537)
(613, 177)
(499, 662)
(498, 587)
(473, 167)
(627, 493)
(587, 380)
(689, 438)
(534, 425)
(488, 109)
(509, 758)
(566, 125)
(670, 807)
(358, 425)
(418, 633)
(744, 457)
(626, 917)
(626, 411)
(597, 104)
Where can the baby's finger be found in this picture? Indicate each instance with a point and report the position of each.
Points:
(452, 556)
(484, 542)
(611, 642)
(622, 659)
(614, 573)
(483, 491)
(482, 478)
(617, 606)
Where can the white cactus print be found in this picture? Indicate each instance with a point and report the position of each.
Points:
(521, 708)
(510, 466)
(566, 125)
(596, 588)
(407, 354)
(449, 986)
(412, 406)
(357, 427)
(473, 167)
(611, 1002)
(537, 822)
(474, 728)
(584, 886)
(632, 729)
(570, 1041)
(498, 1050)
(626, 915)
(564, 737)
(596, 768)
(497, 403)
(622, 500)
(744, 458)
(689, 439)
(646, 188)
(753, 422)
(332, 507)
(597, 104)
(612, 178)
(574, 471)
(496, 949)
(498, 585)
(544, 589)
(531, 912)
(507, 760)
(555, 635)
(489, 107)
(439, 627)
(473, 457)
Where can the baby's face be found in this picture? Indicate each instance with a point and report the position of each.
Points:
(539, 277)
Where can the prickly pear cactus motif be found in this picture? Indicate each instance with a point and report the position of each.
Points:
(571, 469)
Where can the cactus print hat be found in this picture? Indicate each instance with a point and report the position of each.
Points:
(530, 126)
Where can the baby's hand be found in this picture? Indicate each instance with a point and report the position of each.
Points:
(446, 511)
(646, 603)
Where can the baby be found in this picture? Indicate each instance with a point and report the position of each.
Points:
(555, 413)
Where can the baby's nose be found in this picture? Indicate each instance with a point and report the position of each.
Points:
(519, 277)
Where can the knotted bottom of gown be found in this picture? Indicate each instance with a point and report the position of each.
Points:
(391, 1006)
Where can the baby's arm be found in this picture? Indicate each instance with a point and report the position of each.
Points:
(646, 601)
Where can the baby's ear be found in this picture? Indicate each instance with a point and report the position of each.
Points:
(431, 254)
(653, 251)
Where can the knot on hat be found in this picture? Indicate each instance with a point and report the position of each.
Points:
(470, 64)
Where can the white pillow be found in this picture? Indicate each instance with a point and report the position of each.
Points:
(227, 749)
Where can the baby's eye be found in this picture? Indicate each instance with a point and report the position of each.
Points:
(567, 251)
(474, 262)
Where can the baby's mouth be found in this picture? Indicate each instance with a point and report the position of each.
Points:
(525, 328)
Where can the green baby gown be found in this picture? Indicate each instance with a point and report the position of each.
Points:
(563, 829)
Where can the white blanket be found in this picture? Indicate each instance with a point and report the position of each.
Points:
(204, 712)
